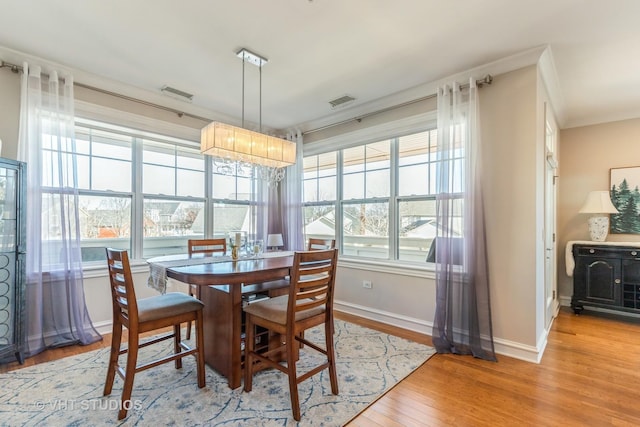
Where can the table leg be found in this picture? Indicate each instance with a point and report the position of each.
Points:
(223, 329)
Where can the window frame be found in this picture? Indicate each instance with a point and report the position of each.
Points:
(392, 131)
(141, 129)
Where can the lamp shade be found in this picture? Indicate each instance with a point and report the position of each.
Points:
(598, 202)
(234, 143)
(275, 240)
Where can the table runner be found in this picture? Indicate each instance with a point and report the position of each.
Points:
(158, 265)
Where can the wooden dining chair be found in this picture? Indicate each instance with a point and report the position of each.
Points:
(318, 244)
(309, 303)
(144, 315)
(207, 247)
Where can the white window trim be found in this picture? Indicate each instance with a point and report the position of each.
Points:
(393, 129)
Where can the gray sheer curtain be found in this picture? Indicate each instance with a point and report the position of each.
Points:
(285, 203)
(55, 310)
(462, 322)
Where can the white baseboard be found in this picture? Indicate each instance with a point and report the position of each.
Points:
(503, 347)
(393, 319)
(104, 327)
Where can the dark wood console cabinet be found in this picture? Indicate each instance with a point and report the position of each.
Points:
(606, 276)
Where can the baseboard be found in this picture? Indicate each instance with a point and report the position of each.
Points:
(392, 319)
(503, 347)
(104, 327)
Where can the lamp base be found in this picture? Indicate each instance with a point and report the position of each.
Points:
(599, 228)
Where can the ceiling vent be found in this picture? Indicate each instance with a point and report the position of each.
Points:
(343, 101)
(177, 94)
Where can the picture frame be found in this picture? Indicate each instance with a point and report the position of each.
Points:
(624, 187)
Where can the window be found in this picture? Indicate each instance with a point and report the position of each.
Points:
(150, 193)
(377, 199)
(173, 178)
(319, 195)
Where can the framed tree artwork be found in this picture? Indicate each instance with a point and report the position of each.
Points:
(625, 196)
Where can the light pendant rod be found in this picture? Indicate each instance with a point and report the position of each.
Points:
(243, 62)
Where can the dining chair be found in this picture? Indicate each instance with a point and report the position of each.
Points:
(317, 244)
(207, 247)
(144, 315)
(309, 303)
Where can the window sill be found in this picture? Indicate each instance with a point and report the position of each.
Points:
(427, 271)
(99, 268)
(392, 267)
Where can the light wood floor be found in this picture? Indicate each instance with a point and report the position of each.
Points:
(589, 376)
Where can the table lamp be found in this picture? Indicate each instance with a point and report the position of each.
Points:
(599, 204)
(274, 241)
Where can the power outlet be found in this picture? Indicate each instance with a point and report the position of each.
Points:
(366, 284)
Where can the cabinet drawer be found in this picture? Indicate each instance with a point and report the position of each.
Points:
(596, 251)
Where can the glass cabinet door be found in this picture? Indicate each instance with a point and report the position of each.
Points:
(8, 228)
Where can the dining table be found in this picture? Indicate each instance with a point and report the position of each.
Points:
(226, 285)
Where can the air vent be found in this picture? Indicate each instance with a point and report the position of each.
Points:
(177, 94)
(342, 101)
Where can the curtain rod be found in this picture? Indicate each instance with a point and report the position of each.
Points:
(18, 68)
(486, 80)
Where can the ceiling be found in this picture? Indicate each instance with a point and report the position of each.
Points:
(323, 49)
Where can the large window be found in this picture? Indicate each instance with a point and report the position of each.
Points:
(377, 199)
(150, 193)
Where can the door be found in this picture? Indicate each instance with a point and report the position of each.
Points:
(550, 265)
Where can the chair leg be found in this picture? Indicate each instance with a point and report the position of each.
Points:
(189, 324)
(333, 375)
(249, 345)
(130, 371)
(200, 353)
(292, 353)
(116, 338)
(197, 295)
(177, 334)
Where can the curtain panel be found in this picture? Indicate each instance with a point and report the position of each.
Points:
(285, 203)
(462, 323)
(55, 303)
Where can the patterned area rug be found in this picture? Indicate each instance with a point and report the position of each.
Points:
(69, 391)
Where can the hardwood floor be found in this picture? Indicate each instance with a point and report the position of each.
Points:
(589, 376)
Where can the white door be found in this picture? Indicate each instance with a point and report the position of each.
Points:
(551, 166)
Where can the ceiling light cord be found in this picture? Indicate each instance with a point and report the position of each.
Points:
(243, 62)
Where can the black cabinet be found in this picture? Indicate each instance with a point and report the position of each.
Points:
(12, 253)
(606, 276)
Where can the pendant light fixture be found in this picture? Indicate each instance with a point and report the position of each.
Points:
(232, 144)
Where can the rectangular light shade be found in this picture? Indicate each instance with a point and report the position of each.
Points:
(235, 143)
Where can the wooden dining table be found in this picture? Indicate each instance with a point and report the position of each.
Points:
(225, 287)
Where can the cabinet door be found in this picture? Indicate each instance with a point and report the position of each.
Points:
(599, 280)
(631, 283)
(9, 292)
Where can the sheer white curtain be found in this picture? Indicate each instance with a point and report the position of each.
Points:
(56, 309)
(462, 322)
(285, 203)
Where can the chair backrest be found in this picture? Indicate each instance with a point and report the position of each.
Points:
(313, 277)
(207, 246)
(457, 250)
(318, 244)
(123, 295)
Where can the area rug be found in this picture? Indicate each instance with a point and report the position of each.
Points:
(69, 391)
